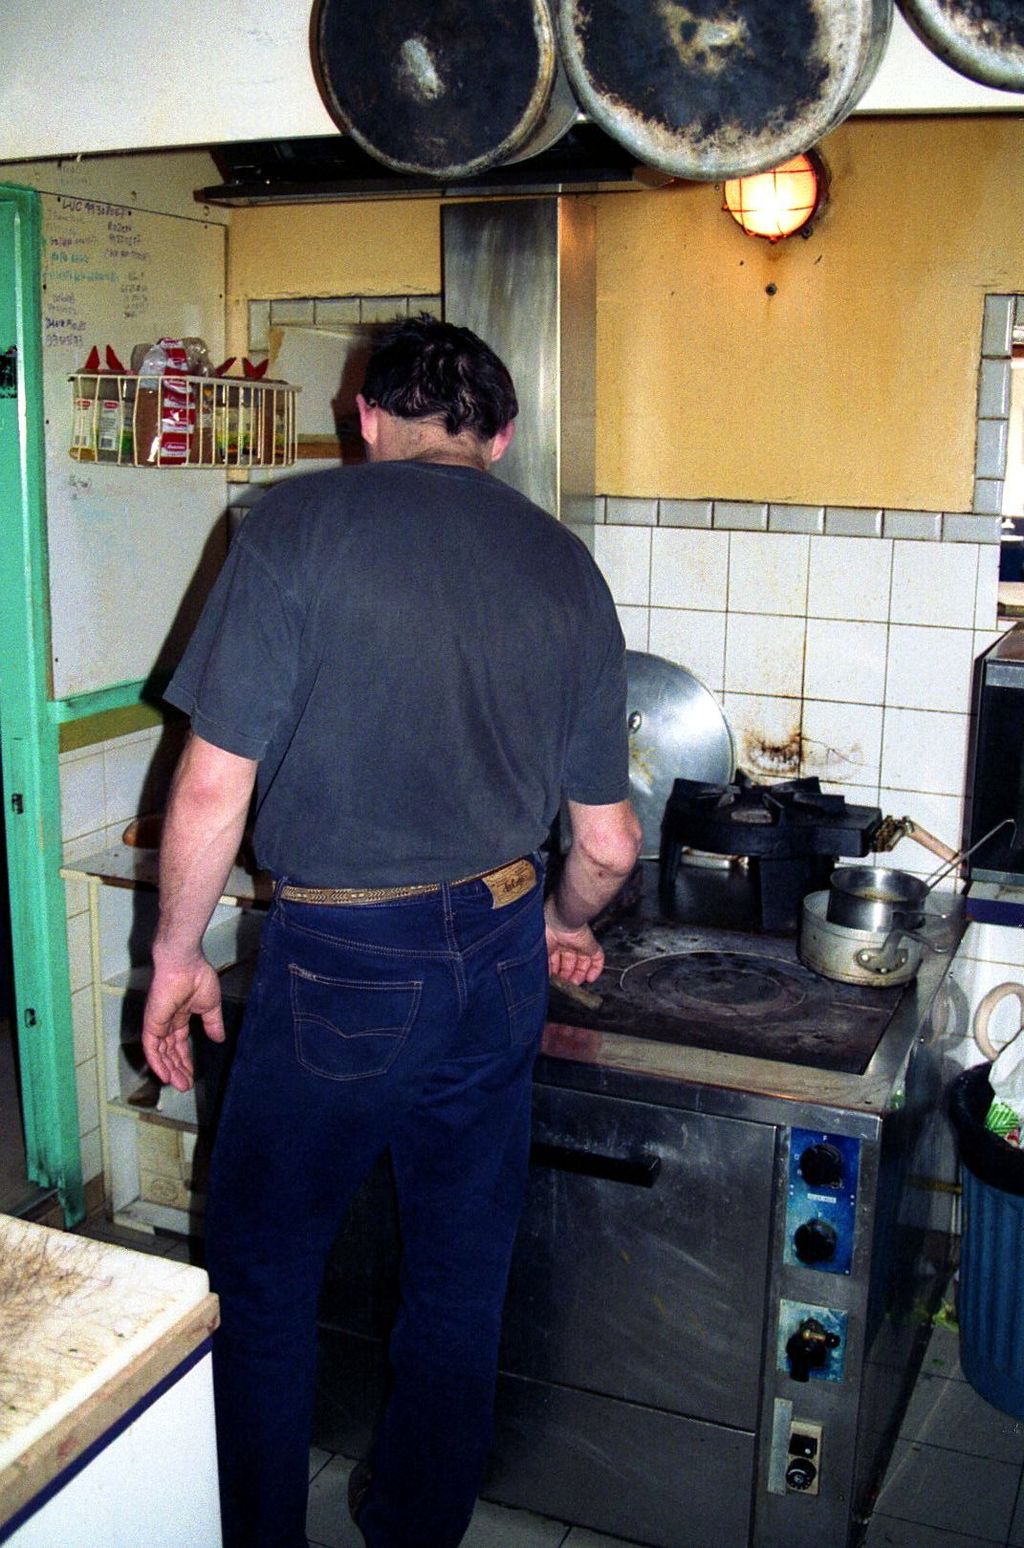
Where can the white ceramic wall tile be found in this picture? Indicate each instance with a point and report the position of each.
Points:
(82, 1025)
(337, 309)
(766, 735)
(841, 743)
(929, 668)
(692, 640)
(92, 1155)
(986, 596)
(1000, 946)
(259, 325)
(689, 568)
(294, 310)
(764, 655)
(87, 1085)
(634, 621)
(934, 583)
(940, 815)
(845, 661)
(856, 795)
(965, 977)
(82, 798)
(621, 510)
(624, 557)
(924, 750)
(768, 573)
(985, 640)
(382, 309)
(849, 578)
(79, 952)
(126, 769)
(76, 896)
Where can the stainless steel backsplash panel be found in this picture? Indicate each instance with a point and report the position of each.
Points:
(521, 274)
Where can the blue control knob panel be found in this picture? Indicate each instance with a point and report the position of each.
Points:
(821, 1200)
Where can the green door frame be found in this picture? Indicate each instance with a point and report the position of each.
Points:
(30, 734)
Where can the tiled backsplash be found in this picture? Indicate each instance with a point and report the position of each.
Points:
(849, 658)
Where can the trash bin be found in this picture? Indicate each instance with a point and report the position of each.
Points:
(990, 1305)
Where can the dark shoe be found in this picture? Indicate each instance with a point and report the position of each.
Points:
(358, 1488)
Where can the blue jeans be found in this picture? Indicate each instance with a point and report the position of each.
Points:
(411, 1025)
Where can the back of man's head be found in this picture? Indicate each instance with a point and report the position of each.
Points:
(426, 369)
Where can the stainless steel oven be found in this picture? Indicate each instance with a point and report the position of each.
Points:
(735, 1227)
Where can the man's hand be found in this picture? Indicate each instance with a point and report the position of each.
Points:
(572, 954)
(605, 844)
(175, 995)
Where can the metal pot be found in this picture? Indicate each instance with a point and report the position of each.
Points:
(720, 90)
(442, 91)
(875, 898)
(982, 39)
(878, 959)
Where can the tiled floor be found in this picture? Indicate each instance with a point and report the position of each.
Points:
(956, 1479)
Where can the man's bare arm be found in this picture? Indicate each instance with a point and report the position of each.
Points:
(605, 844)
(203, 828)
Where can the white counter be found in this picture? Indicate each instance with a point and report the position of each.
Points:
(106, 1400)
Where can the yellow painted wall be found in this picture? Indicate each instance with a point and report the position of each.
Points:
(386, 249)
(854, 384)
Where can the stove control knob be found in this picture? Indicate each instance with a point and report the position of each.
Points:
(815, 1241)
(821, 1166)
(800, 1474)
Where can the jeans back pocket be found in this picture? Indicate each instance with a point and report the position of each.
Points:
(524, 983)
(348, 1029)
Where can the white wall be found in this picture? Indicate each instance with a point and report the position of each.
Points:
(88, 75)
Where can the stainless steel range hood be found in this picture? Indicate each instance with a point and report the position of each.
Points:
(333, 167)
(521, 274)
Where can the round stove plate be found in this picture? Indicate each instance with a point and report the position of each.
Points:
(719, 985)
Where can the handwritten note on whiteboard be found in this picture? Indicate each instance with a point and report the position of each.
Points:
(131, 551)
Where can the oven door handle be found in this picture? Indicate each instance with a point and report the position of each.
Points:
(638, 1171)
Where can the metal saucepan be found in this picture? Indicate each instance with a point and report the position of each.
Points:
(880, 900)
(875, 898)
(875, 959)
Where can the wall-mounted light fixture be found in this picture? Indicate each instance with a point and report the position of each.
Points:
(780, 202)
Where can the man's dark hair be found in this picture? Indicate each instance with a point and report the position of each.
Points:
(425, 369)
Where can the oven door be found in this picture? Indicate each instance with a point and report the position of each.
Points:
(634, 1326)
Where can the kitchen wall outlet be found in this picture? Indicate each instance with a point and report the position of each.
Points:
(803, 1462)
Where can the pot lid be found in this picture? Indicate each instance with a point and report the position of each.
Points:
(445, 90)
(982, 39)
(676, 731)
(720, 88)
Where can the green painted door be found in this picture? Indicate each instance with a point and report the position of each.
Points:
(28, 734)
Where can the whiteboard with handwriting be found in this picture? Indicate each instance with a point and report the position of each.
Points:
(132, 551)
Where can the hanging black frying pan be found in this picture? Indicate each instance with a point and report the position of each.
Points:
(982, 39)
(720, 88)
(444, 89)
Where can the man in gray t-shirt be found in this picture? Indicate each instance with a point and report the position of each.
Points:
(413, 668)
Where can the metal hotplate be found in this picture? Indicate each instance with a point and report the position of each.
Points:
(731, 990)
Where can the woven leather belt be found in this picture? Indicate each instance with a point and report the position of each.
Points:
(505, 885)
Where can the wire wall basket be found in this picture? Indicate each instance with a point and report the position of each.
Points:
(178, 421)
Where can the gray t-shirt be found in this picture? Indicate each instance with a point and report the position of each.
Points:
(423, 662)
